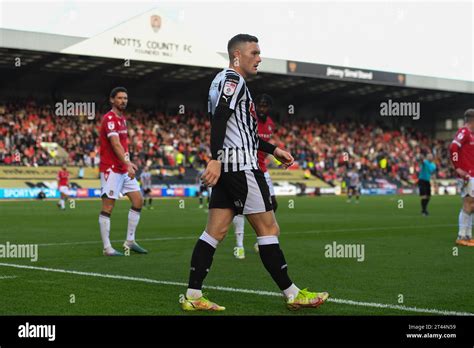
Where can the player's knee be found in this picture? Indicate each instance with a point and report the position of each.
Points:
(107, 208)
(273, 229)
(138, 205)
(218, 233)
(471, 207)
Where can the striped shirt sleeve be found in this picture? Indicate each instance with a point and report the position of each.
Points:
(230, 90)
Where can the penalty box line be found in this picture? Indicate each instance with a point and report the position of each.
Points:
(243, 291)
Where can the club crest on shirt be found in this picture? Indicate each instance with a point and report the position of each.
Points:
(229, 88)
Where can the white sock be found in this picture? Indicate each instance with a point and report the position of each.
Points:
(104, 223)
(292, 291)
(239, 222)
(61, 203)
(266, 240)
(239, 240)
(133, 219)
(193, 293)
(209, 239)
(464, 221)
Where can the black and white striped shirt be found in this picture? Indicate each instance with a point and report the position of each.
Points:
(240, 146)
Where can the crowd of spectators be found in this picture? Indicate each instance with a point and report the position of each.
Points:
(394, 154)
(182, 140)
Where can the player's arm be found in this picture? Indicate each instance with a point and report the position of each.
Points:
(454, 151)
(218, 129)
(283, 156)
(265, 146)
(122, 156)
(225, 107)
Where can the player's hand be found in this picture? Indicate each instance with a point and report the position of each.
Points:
(463, 174)
(284, 157)
(131, 169)
(212, 173)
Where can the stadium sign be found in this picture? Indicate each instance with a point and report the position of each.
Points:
(27, 193)
(344, 73)
(38, 173)
(153, 37)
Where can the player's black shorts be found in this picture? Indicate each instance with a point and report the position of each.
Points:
(147, 191)
(246, 192)
(425, 187)
(354, 188)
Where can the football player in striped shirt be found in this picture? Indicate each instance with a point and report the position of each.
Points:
(238, 185)
(203, 190)
(145, 180)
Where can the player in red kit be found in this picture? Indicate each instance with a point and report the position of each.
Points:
(462, 157)
(63, 187)
(266, 127)
(117, 173)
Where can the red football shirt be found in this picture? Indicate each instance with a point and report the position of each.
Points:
(265, 131)
(112, 124)
(462, 150)
(63, 178)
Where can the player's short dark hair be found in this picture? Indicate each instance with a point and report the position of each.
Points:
(265, 98)
(238, 39)
(469, 114)
(117, 90)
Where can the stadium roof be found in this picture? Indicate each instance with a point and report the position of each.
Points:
(396, 36)
(61, 72)
(181, 55)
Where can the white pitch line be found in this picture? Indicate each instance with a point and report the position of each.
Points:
(285, 235)
(116, 241)
(244, 291)
(7, 277)
(369, 229)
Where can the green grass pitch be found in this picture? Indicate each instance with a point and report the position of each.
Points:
(407, 256)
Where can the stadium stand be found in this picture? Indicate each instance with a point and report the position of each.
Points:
(170, 142)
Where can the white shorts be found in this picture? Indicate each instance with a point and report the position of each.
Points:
(64, 189)
(269, 183)
(467, 188)
(117, 183)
